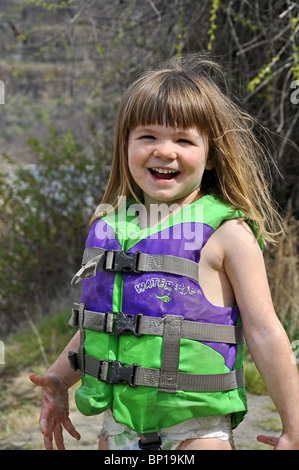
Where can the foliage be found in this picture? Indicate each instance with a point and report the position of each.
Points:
(213, 25)
(72, 60)
(45, 211)
(23, 350)
(97, 48)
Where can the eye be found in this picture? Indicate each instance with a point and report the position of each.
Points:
(151, 137)
(185, 141)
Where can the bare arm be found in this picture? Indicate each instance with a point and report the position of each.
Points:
(265, 336)
(62, 367)
(55, 410)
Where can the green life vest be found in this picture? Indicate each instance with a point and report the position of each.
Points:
(152, 347)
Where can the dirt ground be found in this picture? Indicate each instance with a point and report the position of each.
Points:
(20, 430)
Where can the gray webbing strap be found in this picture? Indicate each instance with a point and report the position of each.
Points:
(145, 325)
(97, 259)
(91, 320)
(169, 374)
(81, 351)
(193, 382)
(135, 375)
(168, 264)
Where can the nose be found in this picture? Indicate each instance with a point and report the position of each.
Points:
(165, 152)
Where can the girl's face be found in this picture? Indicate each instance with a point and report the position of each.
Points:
(167, 163)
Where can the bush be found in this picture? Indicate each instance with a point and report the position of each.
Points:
(45, 212)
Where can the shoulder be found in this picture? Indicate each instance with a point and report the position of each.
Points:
(235, 236)
(230, 244)
(239, 250)
(243, 259)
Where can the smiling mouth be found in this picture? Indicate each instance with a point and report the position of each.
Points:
(164, 173)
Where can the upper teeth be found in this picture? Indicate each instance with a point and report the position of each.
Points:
(164, 170)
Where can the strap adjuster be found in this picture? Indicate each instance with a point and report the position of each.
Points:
(122, 261)
(115, 372)
(73, 360)
(124, 323)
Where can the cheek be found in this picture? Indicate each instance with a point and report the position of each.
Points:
(136, 158)
(199, 160)
(135, 167)
(131, 162)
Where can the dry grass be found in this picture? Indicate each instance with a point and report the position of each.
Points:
(20, 403)
(282, 263)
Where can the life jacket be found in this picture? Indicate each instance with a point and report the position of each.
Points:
(152, 347)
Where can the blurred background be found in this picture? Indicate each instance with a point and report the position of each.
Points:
(64, 66)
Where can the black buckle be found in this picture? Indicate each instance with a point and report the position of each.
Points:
(117, 373)
(124, 261)
(152, 445)
(124, 324)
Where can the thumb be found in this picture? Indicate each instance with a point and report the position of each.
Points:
(271, 441)
(36, 379)
(39, 380)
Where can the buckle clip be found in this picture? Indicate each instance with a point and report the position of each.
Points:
(124, 324)
(117, 261)
(151, 441)
(117, 373)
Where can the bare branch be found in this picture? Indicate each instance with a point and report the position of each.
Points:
(287, 134)
(152, 4)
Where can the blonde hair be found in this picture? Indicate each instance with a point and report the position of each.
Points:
(184, 93)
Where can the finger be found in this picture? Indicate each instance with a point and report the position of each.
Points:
(269, 440)
(71, 428)
(40, 380)
(58, 435)
(47, 423)
(36, 379)
(46, 426)
(48, 441)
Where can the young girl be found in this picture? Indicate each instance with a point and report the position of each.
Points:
(172, 275)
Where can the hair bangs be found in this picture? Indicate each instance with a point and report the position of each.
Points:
(168, 98)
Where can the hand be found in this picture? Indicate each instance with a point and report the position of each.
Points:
(280, 443)
(55, 411)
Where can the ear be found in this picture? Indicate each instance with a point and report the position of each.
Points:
(209, 164)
